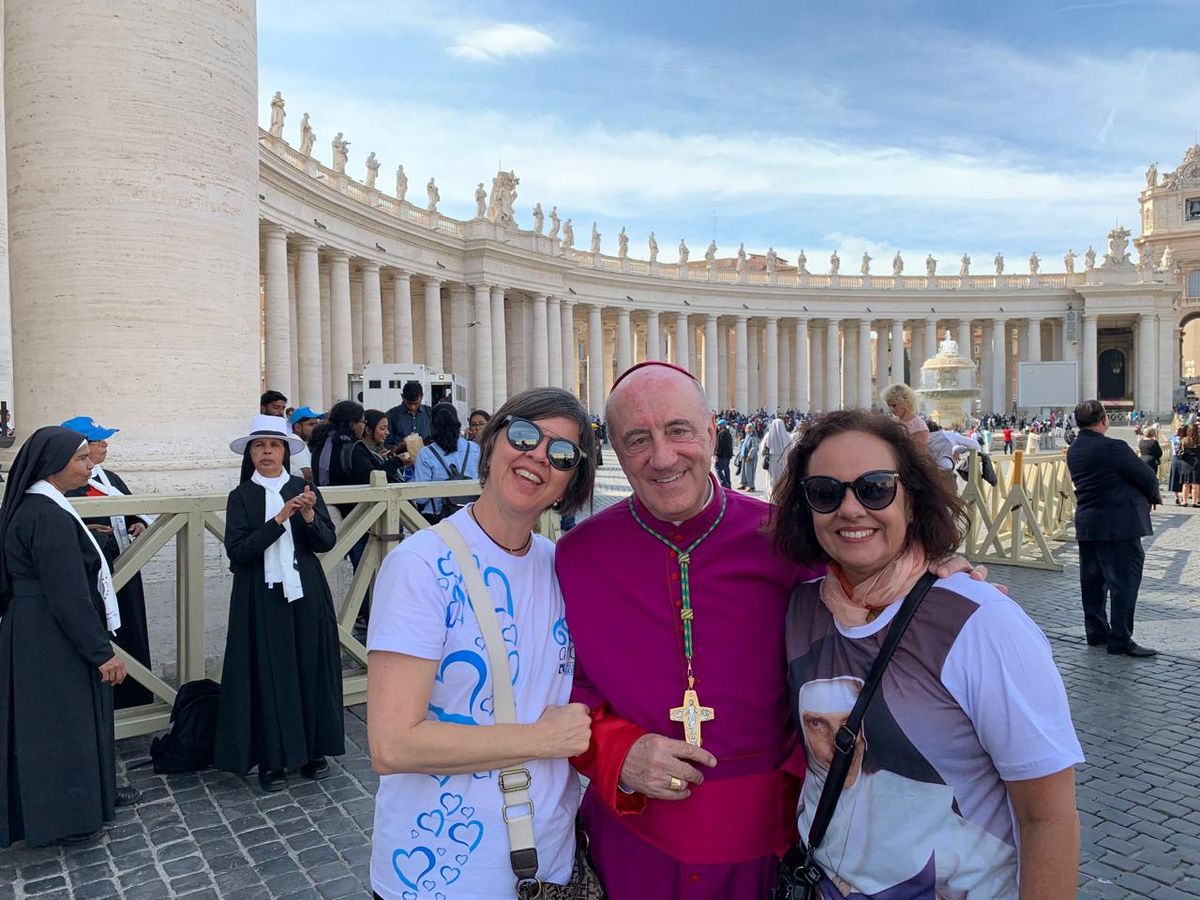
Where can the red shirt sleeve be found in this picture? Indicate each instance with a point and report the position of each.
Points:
(612, 737)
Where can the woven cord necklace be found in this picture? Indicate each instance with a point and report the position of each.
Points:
(690, 713)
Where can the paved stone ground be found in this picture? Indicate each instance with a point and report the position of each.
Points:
(213, 835)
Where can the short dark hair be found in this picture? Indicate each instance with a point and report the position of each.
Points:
(374, 417)
(271, 397)
(444, 427)
(1090, 413)
(938, 517)
(544, 403)
(411, 391)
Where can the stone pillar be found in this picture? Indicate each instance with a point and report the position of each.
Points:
(293, 319)
(541, 349)
(458, 351)
(372, 313)
(897, 376)
(328, 386)
(481, 389)
(710, 361)
(741, 365)
(931, 342)
(341, 353)
(310, 384)
(882, 358)
(595, 362)
(833, 374)
(864, 363)
(771, 365)
(624, 339)
(356, 310)
(387, 293)
(987, 397)
(816, 367)
(277, 315)
(499, 350)
(965, 338)
(849, 365)
(694, 365)
(1034, 339)
(916, 352)
(1000, 365)
(653, 338)
(569, 350)
(1087, 354)
(554, 339)
(800, 366)
(682, 347)
(755, 366)
(1147, 341)
(111, 214)
(610, 357)
(1168, 356)
(786, 401)
(433, 324)
(402, 322)
(724, 382)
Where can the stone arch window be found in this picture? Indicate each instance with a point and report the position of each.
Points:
(1193, 283)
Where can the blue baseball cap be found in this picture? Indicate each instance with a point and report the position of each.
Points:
(302, 414)
(722, 421)
(87, 426)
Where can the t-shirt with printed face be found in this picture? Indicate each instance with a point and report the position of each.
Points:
(970, 700)
(442, 836)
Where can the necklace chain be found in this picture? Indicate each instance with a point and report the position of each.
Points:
(512, 550)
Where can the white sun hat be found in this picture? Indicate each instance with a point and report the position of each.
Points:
(267, 427)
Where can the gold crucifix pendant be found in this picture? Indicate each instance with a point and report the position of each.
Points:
(691, 714)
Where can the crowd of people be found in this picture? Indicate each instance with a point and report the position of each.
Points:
(701, 686)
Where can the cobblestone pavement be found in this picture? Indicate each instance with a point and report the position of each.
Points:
(214, 835)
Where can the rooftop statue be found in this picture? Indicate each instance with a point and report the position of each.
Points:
(897, 265)
(683, 253)
(835, 263)
(500, 208)
(1089, 258)
(401, 183)
(1167, 263)
(772, 260)
(622, 244)
(1152, 175)
(277, 116)
(539, 218)
(372, 169)
(568, 240)
(553, 222)
(964, 266)
(480, 201)
(930, 265)
(802, 263)
(1118, 252)
(741, 257)
(1069, 262)
(864, 268)
(341, 154)
(1035, 264)
(710, 255)
(307, 137)
(653, 248)
(998, 262)
(434, 195)
(595, 239)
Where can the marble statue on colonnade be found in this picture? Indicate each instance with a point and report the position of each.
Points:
(1167, 264)
(623, 244)
(772, 260)
(501, 209)
(568, 240)
(372, 170)
(480, 201)
(835, 263)
(434, 195)
(897, 265)
(553, 223)
(539, 218)
(998, 262)
(964, 266)
(653, 248)
(1035, 264)
(1151, 173)
(741, 257)
(710, 255)
(401, 183)
(341, 154)
(1118, 249)
(683, 253)
(595, 239)
(1069, 262)
(1089, 259)
(930, 265)
(277, 116)
(864, 267)
(802, 263)
(307, 137)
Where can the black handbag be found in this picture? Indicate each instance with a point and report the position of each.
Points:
(799, 874)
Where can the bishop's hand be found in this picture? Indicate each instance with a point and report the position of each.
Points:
(653, 761)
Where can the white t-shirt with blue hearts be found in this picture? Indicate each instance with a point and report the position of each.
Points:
(442, 837)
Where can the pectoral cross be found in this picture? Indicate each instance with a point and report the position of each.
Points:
(691, 714)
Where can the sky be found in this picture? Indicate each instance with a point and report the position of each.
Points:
(943, 126)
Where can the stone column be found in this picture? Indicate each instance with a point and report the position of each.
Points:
(833, 379)
(711, 367)
(864, 363)
(816, 367)
(372, 313)
(328, 387)
(786, 400)
(276, 314)
(1087, 354)
(755, 364)
(402, 322)
(541, 350)
(610, 357)
(1147, 340)
(683, 346)
(882, 358)
(595, 363)
(481, 389)
(741, 365)
(341, 353)
(931, 341)
(458, 351)
(653, 338)
(987, 396)
(800, 366)
(387, 293)
(724, 382)
(1034, 339)
(356, 310)
(770, 400)
(569, 351)
(113, 214)
(499, 349)
(897, 376)
(1168, 355)
(624, 339)
(916, 353)
(554, 338)
(1000, 364)
(433, 324)
(965, 338)
(308, 325)
(293, 318)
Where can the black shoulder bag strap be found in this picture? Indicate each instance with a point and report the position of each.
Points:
(450, 472)
(847, 736)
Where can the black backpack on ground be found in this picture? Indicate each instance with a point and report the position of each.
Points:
(191, 737)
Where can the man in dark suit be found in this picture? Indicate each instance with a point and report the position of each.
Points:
(1114, 493)
(724, 452)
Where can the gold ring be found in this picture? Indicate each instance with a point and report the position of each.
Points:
(676, 783)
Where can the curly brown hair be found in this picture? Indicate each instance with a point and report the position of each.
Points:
(938, 518)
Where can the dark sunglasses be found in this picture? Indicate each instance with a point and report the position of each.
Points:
(874, 490)
(525, 436)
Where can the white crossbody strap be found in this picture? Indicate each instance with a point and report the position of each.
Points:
(514, 782)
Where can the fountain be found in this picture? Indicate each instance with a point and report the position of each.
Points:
(948, 386)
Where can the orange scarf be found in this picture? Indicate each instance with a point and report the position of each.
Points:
(852, 605)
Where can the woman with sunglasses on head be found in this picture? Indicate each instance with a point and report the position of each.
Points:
(430, 703)
(966, 752)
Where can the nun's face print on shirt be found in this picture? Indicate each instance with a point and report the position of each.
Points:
(825, 706)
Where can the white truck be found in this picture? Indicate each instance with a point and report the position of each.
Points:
(381, 383)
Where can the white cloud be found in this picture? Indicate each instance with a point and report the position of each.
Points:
(490, 43)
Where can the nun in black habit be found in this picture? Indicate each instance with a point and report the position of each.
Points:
(281, 685)
(114, 535)
(57, 668)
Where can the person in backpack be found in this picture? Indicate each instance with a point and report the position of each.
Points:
(447, 457)
(281, 686)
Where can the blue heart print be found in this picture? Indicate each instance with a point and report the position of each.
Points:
(439, 896)
(433, 821)
(466, 658)
(509, 633)
(492, 573)
(459, 830)
(415, 834)
(408, 895)
(408, 862)
(561, 635)
(450, 802)
(467, 811)
(449, 874)
(429, 884)
(441, 851)
(461, 858)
